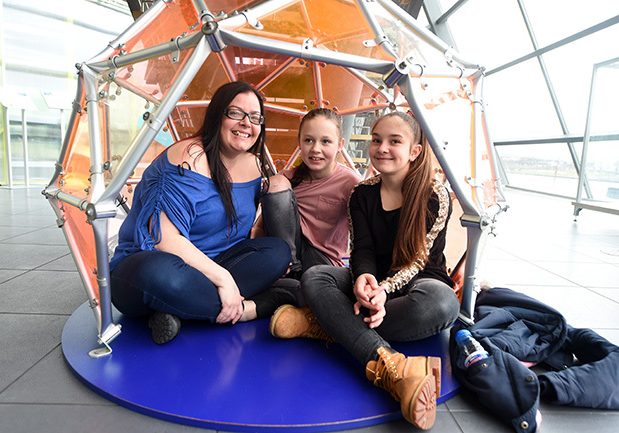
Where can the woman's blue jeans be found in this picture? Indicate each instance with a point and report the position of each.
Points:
(421, 309)
(150, 281)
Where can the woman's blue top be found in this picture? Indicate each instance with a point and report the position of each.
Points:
(192, 203)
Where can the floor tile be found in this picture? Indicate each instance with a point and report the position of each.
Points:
(25, 339)
(29, 256)
(506, 273)
(25, 220)
(29, 418)
(7, 274)
(545, 252)
(7, 232)
(51, 381)
(55, 292)
(581, 307)
(612, 294)
(64, 263)
(480, 422)
(586, 274)
(44, 236)
(579, 420)
(444, 423)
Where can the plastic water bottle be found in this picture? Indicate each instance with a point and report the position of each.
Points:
(470, 349)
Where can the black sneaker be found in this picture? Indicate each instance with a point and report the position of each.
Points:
(163, 327)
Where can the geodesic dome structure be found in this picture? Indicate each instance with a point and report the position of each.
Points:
(151, 86)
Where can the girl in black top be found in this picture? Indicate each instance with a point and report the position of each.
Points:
(397, 288)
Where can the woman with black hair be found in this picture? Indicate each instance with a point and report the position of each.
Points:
(184, 250)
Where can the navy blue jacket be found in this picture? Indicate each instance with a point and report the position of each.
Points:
(514, 327)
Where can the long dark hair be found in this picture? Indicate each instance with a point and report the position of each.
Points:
(410, 244)
(212, 144)
(301, 173)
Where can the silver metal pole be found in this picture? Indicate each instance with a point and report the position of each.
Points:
(471, 219)
(99, 227)
(135, 28)
(593, 29)
(473, 239)
(585, 143)
(497, 167)
(406, 86)
(67, 230)
(283, 109)
(255, 12)
(305, 51)
(275, 73)
(56, 194)
(136, 90)
(177, 44)
(63, 126)
(457, 5)
(9, 151)
(24, 135)
(320, 103)
(427, 36)
(94, 134)
(380, 37)
(201, 7)
(73, 123)
(151, 127)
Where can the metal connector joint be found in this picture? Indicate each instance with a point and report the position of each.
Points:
(215, 42)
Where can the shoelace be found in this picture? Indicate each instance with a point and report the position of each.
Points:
(386, 373)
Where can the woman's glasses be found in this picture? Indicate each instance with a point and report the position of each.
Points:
(238, 114)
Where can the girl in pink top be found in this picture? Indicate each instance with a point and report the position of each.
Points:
(308, 206)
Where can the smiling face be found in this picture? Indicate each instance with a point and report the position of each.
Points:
(238, 136)
(319, 142)
(393, 147)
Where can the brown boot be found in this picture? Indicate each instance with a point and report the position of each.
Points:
(414, 381)
(293, 322)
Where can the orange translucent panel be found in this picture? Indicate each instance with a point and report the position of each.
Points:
(326, 22)
(176, 18)
(152, 78)
(281, 138)
(228, 6)
(253, 66)
(76, 164)
(294, 88)
(331, 20)
(208, 79)
(287, 24)
(187, 121)
(82, 244)
(357, 93)
(456, 236)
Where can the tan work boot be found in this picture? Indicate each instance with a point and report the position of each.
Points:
(414, 381)
(293, 322)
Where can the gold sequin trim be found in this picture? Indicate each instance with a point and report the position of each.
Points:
(406, 274)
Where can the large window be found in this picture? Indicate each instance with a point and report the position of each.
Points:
(41, 42)
(539, 56)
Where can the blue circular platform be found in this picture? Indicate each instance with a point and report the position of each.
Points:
(237, 378)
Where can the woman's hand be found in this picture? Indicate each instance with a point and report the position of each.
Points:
(231, 301)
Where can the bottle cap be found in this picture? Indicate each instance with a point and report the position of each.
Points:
(462, 335)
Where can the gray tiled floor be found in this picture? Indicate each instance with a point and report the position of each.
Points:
(539, 250)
